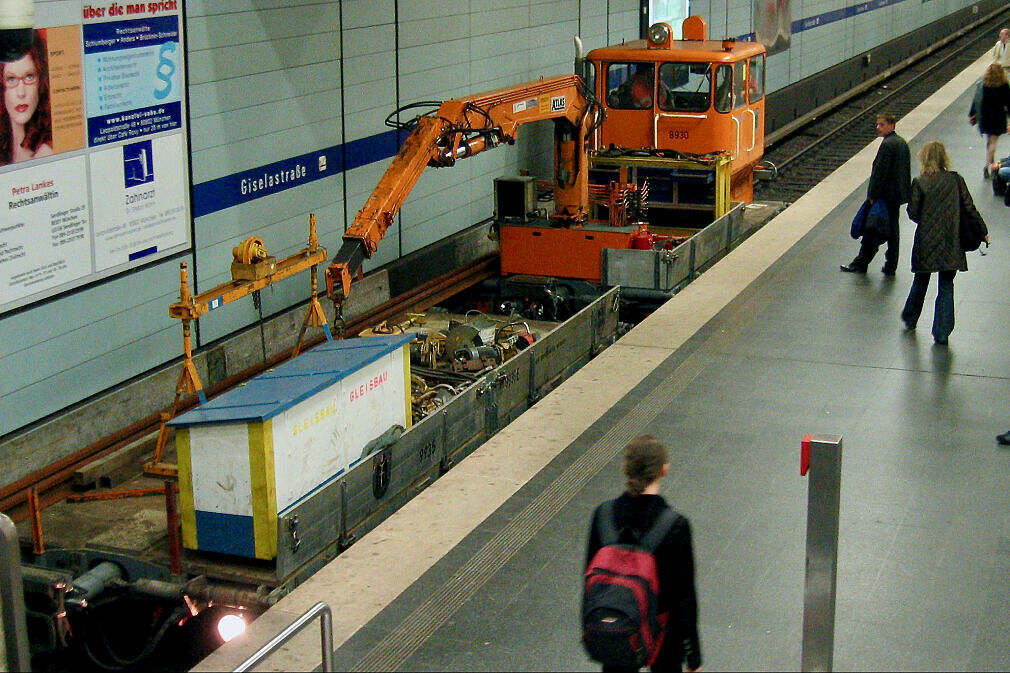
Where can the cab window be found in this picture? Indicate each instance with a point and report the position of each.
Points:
(630, 86)
(685, 87)
(739, 86)
(723, 88)
(756, 81)
(590, 74)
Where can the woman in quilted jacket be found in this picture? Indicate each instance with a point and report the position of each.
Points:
(939, 197)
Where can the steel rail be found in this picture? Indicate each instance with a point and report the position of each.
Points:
(893, 94)
(53, 482)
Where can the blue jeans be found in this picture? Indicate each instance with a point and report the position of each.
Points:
(943, 310)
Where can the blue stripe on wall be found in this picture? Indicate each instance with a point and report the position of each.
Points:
(818, 20)
(232, 190)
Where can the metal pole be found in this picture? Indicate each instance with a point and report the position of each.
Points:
(12, 599)
(822, 456)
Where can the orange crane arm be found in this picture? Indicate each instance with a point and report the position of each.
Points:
(462, 127)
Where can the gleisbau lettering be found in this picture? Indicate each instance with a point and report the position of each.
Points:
(368, 386)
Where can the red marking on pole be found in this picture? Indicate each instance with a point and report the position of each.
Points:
(805, 455)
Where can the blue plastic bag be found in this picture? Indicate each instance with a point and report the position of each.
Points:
(871, 219)
(859, 221)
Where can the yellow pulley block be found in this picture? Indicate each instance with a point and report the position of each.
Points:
(250, 251)
(251, 261)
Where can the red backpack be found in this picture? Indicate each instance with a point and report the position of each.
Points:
(621, 623)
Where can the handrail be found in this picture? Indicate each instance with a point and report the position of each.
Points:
(669, 115)
(320, 609)
(753, 129)
(737, 123)
(12, 599)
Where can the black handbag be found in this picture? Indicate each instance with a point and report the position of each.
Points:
(972, 229)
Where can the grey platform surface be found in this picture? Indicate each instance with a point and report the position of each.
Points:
(925, 523)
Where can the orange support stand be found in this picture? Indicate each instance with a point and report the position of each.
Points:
(190, 308)
(314, 316)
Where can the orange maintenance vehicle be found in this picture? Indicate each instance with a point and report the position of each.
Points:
(658, 132)
(694, 96)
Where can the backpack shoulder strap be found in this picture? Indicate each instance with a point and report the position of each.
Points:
(606, 525)
(660, 527)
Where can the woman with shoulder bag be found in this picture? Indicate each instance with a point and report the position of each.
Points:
(939, 199)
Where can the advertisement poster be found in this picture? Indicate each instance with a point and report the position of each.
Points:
(773, 21)
(92, 147)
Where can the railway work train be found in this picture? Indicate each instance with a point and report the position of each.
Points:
(656, 130)
(649, 136)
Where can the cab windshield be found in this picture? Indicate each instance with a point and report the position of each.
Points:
(685, 87)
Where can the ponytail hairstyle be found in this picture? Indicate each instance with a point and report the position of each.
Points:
(644, 458)
(933, 157)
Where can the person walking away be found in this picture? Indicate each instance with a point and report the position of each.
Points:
(1000, 51)
(976, 106)
(630, 518)
(939, 196)
(890, 180)
(991, 110)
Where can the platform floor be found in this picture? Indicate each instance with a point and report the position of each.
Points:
(482, 570)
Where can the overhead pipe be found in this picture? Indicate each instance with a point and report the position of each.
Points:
(580, 60)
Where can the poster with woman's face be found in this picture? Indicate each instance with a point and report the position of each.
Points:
(42, 98)
(27, 120)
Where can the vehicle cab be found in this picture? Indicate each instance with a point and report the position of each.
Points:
(694, 95)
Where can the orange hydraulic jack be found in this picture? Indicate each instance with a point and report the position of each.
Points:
(252, 270)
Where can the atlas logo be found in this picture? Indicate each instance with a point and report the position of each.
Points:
(558, 104)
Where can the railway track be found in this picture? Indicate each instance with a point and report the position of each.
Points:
(812, 152)
(53, 483)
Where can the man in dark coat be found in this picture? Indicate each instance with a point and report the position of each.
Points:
(890, 180)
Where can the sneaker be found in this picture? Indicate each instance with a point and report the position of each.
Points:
(1003, 439)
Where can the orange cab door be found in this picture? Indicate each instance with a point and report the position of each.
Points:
(628, 92)
(627, 128)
